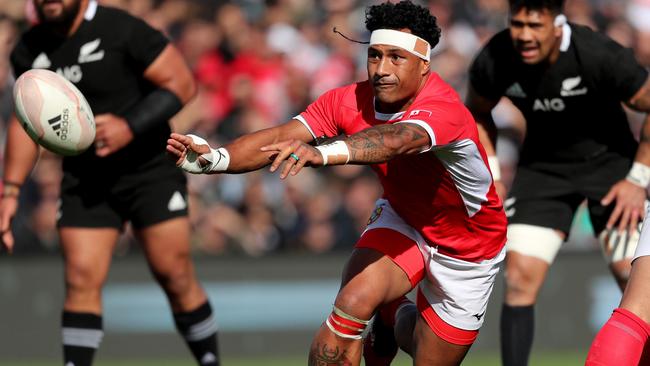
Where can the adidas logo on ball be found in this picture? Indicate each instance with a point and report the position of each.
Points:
(60, 124)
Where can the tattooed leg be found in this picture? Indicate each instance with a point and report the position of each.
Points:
(330, 350)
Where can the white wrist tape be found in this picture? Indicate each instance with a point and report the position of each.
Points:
(639, 175)
(218, 159)
(493, 162)
(335, 153)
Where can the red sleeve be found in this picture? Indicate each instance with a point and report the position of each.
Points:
(321, 116)
(444, 121)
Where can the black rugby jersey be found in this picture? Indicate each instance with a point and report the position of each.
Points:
(105, 58)
(572, 108)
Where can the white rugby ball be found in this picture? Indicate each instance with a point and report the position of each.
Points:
(54, 112)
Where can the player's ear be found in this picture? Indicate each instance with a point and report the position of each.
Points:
(426, 65)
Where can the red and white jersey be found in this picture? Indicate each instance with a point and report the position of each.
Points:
(445, 192)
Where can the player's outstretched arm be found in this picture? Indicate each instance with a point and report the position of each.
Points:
(630, 193)
(21, 153)
(242, 155)
(373, 145)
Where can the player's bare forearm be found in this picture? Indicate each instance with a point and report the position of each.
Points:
(245, 153)
(383, 142)
(20, 153)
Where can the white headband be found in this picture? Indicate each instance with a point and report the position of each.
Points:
(407, 41)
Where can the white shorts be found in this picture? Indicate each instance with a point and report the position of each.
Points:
(455, 290)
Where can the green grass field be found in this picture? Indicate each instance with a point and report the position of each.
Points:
(478, 359)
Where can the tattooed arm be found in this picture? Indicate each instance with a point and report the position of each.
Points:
(376, 144)
(383, 142)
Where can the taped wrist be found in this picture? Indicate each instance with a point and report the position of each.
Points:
(157, 107)
(345, 325)
(639, 175)
(336, 153)
(217, 159)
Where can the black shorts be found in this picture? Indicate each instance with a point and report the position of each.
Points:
(548, 194)
(156, 192)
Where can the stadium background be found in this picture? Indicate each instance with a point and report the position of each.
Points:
(269, 252)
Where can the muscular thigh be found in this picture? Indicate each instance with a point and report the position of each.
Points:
(167, 245)
(87, 254)
(386, 263)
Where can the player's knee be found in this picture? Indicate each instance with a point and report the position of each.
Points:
(521, 283)
(175, 280)
(357, 303)
(82, 279)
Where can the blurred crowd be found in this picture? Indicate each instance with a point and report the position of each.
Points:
(259, 63)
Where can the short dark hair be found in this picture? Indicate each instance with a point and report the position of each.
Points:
(554, 6)
(404, 14)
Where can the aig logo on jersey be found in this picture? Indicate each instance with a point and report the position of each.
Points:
(548, 105)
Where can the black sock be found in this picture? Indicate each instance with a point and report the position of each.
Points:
(517, 331)
(82, 333)
(199, 329)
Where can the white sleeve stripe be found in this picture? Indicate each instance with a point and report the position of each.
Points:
(304, 122)
(428, 128)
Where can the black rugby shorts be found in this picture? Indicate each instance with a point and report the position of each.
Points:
(548, 194)
(154, 193)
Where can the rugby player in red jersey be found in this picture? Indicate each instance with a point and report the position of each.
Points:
(439, 225)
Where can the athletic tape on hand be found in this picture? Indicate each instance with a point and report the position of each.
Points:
(218, 159)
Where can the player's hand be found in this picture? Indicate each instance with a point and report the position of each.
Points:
(188, 153)
(8, 207)
(113, 133)
(629, 205)
(295, 154)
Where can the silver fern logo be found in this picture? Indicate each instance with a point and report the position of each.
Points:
(569, 87)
